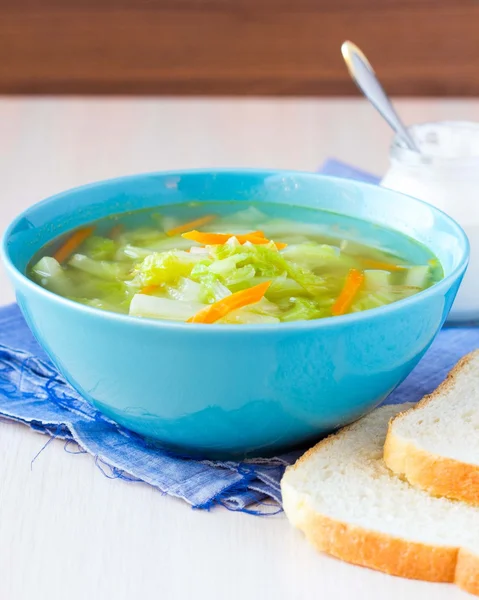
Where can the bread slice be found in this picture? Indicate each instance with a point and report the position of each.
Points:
(349, 504)
(435, 445)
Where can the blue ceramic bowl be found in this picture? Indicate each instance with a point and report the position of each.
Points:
(222, 390)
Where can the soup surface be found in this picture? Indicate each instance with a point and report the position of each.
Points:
(234, 262)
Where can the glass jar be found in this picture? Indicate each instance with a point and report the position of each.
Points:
(446, 175)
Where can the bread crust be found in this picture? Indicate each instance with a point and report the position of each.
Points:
(374, 549)
(381, 551)
(438, 475)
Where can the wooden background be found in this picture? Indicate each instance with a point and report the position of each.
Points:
(236, 47)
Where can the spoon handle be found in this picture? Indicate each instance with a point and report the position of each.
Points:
(364, 77)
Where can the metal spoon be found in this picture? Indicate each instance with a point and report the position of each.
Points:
(364, 77)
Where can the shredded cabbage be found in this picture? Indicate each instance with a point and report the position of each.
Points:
(49, 274)
(302, 309)
(165, 267)
(100, 248)
(154, 272)
(98, 268)
(163, 308)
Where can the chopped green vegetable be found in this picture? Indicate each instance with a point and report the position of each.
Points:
(163, 308)
(418, 276)
(185, 290)
(211, 289)
(268, 262)
(375, 280)
(175, 266)
(98, 268)
(165, 267)
(49, 273)
(303, 309)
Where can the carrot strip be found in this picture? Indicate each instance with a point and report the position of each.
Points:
(351, 287)
(214, 239)
(72, 243)
(219, 309)
(191, 225)
(149, 289)
(376, 264)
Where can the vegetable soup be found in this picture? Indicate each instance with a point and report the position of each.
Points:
(234, 262)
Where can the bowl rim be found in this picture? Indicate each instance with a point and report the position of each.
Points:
(270, 328)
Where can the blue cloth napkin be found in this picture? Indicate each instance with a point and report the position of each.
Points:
(34, 393)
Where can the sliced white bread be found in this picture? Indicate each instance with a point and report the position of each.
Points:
(349, 504)
(435, 445)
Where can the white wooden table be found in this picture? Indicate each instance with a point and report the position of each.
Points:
(66, 531)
